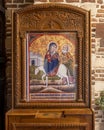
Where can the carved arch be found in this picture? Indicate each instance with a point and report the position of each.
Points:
(51, 24)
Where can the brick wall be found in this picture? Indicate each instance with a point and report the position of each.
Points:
(97, 42)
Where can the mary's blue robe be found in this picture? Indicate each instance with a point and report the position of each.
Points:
(51, 64)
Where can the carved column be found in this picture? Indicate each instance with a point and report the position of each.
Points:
(23, 60)
(80, 73)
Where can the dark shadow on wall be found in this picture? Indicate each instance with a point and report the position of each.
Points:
(2, 65)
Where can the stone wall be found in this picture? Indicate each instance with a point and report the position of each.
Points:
(97, 45)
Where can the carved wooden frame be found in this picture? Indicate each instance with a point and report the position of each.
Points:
(36, 18)
(60, 125)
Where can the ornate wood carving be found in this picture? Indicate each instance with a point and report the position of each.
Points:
(47, 126)
(51, 17)
(50, 20)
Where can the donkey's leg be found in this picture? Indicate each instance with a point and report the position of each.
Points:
(46, 81)
(43, 78)
(67, 80)
(60, 80)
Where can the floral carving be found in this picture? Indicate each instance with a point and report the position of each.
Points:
(55, 20)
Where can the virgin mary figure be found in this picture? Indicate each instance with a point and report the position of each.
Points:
(51, 60)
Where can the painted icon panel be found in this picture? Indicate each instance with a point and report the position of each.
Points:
(51, 66)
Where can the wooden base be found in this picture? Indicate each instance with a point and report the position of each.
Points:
(29, 119)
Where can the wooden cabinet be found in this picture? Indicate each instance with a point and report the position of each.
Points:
(58, 105)
(73, 119)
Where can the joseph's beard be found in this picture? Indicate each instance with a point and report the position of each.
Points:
(64, 51)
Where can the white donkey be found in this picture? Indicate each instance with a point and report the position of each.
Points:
(62, 72)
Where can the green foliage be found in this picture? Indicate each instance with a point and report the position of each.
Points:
(32, 73)
(100, 101)
(39, 75)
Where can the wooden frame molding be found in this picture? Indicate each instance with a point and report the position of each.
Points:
(65, 126)
(51, 18)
